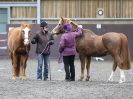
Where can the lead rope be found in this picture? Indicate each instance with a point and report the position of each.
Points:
(44, 48)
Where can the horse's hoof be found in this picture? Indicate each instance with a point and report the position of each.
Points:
(13, 78)
(121, 81)
(87, 79)
(80, 79)
(23, 77)
(110, 80)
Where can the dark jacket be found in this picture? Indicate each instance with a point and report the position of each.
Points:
(43, 41)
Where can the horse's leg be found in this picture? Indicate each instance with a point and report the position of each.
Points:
(122, 75)
(18, 65)
(21, 71)
(82, 60)
(14, 66)
(23, 66)
(88, 60)
(11, 56)
(113, 70)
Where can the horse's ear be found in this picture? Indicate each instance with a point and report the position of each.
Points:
(62, 19)
(22, 25)
(30, 25)
(74, 24)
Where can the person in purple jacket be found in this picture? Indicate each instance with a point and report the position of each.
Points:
(68, 50)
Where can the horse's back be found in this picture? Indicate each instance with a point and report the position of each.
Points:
(14, 31)
(12, 37)
(91, 44)
(111, 35)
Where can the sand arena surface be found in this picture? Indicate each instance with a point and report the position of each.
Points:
(57, 88)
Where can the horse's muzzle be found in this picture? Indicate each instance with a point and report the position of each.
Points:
(26, 42)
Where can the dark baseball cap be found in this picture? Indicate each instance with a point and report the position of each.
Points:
(43, 24)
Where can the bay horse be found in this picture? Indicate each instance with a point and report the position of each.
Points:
(19, 46)
(91, 45)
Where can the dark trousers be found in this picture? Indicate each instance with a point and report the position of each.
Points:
(69, 67)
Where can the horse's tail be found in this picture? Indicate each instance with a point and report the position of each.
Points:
(125, 53)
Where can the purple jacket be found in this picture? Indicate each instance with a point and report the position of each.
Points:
(67, 43)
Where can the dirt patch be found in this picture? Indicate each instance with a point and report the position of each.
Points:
(57, 88)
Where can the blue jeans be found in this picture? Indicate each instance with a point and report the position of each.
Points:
(42, 58)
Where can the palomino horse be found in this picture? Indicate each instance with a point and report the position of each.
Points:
(91, 45)
(19, 47)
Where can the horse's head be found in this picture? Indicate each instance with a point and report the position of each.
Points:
(59, 27)
(26, 32)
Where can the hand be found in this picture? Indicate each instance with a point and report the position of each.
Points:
(51, 42)
(33, 41)
(80, 26)
(51, 37)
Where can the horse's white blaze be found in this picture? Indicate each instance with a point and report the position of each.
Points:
(111, 76)
(26, 36)
(54, 31)
(122, 76)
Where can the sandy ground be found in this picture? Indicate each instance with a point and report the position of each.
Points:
(57, 88)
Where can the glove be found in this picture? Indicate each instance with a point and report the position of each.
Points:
(33, 41)
(61, 50)
(51, 42)
(51, 37)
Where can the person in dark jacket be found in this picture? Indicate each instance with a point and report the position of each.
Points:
(43, 41)
(68, 50)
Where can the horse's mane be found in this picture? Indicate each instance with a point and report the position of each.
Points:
(83, 30)
(75, 25)
(88, 31)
